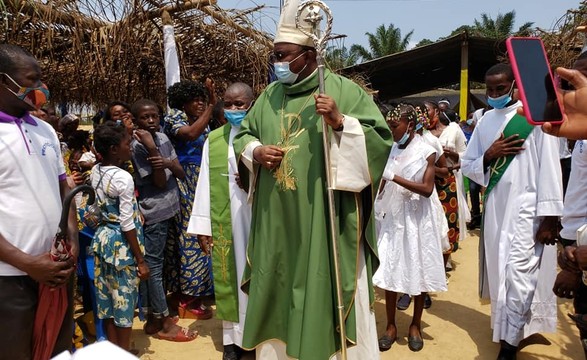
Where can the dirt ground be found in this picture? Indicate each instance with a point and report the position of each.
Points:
(455, 327)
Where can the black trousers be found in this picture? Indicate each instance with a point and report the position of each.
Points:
(580, 304)
(18, 304)
(475, 194)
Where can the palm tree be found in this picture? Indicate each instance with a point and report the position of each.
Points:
(339, 57)
(385, 41)
(500, 27)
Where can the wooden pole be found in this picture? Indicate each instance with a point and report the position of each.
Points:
(464, 95)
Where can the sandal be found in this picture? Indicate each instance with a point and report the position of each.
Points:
(183, 335)
(199, 313)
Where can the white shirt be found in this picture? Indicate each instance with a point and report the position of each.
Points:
(575, 210)
(452, 137)
(31, 168)
(564, 152)
(119, 184)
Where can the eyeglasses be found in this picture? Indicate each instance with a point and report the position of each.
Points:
(279, 56)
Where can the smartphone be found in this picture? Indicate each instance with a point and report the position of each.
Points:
(534, 80)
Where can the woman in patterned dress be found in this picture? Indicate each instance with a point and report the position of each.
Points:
(454, 143)
(188, 268)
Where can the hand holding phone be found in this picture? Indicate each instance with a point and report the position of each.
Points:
(534, 80)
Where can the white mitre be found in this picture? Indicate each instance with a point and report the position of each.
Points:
(287, 31)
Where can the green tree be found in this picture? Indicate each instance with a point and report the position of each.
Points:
(460, 29)
(424, 42)
(385, 41)
(339, 57)
(501, 27)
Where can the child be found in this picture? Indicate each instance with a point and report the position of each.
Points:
(409, 240)
(156, 167)
(117, 244)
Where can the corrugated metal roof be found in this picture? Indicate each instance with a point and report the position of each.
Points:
(431, 66)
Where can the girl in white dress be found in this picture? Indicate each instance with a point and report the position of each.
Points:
(409, 240)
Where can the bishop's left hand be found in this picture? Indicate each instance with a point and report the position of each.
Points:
(326, 106)
(547, 233)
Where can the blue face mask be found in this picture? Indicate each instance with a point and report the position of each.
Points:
(502, 101)
(469, 122)
(235, 117)
(404, 138)
(284, 74)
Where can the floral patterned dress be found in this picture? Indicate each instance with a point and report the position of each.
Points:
(188, 269)
(115, 270)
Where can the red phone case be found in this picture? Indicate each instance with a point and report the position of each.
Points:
(519, 83)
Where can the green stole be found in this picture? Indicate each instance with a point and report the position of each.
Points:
(517, 125)
(223, 262)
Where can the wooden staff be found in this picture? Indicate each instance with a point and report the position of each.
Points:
(313, 17)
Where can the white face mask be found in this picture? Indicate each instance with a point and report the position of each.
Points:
(284, 74)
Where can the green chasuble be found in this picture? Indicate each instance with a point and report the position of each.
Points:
(223, 261)
(289, 275)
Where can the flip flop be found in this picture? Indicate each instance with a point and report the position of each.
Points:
(385, 342)
(200, 313)
(181, 336)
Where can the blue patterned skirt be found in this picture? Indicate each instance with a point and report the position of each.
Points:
(188, 270)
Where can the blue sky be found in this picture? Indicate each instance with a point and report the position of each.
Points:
(428, 18)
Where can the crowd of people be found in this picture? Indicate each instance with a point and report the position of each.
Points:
(195, 205)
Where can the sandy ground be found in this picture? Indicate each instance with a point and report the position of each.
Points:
(455, 327)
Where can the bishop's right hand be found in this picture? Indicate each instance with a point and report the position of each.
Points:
(269, 156)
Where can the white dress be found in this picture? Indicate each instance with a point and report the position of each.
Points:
(409, 240)
(433, 141)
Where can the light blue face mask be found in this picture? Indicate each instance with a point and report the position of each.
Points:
(284, 74)
(502, 101)
(469, 122)
(404, 138)
(235, 117)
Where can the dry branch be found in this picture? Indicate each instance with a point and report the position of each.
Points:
(95, 51)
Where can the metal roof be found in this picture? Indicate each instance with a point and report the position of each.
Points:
(431, 66)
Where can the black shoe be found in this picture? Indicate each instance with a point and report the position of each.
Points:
(507, 352)
(427, 302)
(404, 302)
(415, 343)
(475, 223)
(231, 352)
(385, 342)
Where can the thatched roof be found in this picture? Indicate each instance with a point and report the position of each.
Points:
(564, 44)
(95, 51)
